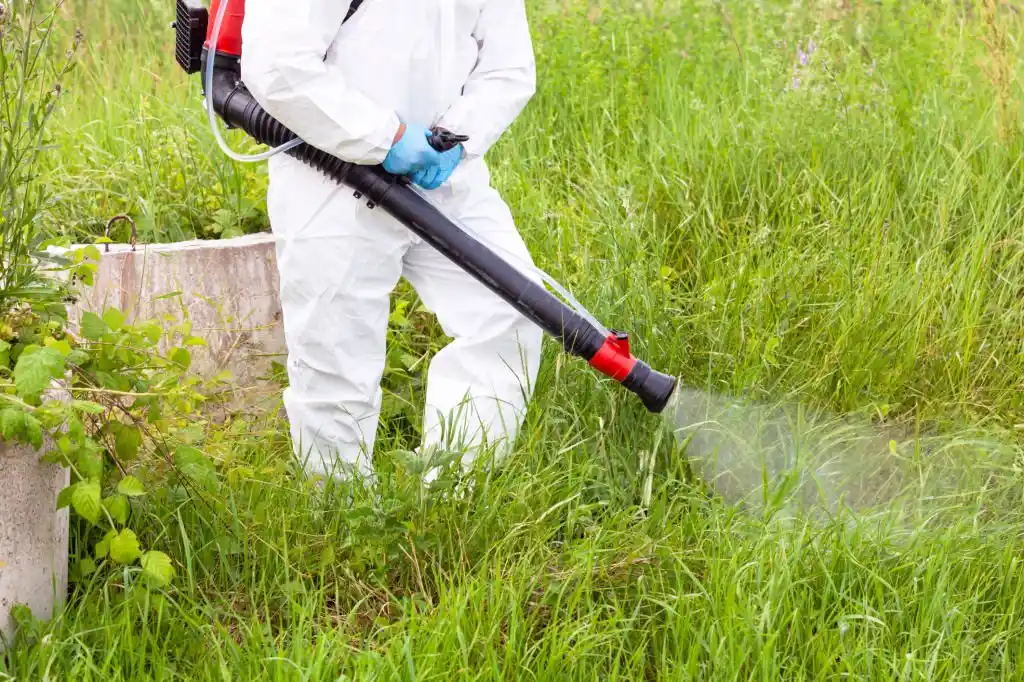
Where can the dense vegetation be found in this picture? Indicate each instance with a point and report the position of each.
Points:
(818, 200)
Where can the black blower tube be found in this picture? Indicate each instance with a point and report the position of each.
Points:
(239, 109)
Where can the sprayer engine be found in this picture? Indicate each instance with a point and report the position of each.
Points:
(214, 49)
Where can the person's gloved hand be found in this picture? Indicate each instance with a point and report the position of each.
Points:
(411, 152)
(432, 177)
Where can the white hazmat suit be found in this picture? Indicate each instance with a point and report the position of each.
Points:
(465, 65)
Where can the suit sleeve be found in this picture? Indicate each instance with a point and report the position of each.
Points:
(503, 80)
(283, 67)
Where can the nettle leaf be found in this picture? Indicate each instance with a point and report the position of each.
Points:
(5, 354)
(86, 500)
(78, 358)
(93, 326)
(131, 486)
(117, 507)
(127, 441)
(89, 461)
(33, 431)
(114, 318)
(12, 423)
(76, 428)
(124, 547)
(36, 368)
(157, 567)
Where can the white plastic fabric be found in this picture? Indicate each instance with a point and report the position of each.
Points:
(466, 65)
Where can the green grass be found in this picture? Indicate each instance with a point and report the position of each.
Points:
(854, 243)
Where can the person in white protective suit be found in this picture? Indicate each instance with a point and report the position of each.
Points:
(359, 89)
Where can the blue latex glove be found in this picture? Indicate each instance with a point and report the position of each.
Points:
(432, 177)
(412, 152)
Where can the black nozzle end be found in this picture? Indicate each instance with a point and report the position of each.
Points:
(654, 389)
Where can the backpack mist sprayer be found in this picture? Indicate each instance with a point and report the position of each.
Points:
(214, 49)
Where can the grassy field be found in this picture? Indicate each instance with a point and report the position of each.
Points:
(817, 201)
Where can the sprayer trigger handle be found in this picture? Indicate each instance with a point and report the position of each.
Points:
(445, 140)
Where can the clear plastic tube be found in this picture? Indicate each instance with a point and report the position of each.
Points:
(515, 260)
(211, 114)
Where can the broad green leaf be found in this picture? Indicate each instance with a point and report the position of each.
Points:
(157, 566)
(114, 318)
(86, 500)
(36, 369)
(181, 356)
(89, 461)
(127, 441)
(131, 486)
(64, 497)
(191, 462)
(12, 423)
(194, 341)
(93, 326)
(117, 507)
(33, 431)
(77, 358)
(5, 354)
(152, 331)
(86, 567)
(86, 272)
(62, 346)
(191, 434)
(124, 547)
(103, 546)
(76, 428)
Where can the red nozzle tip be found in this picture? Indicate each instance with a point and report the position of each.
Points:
(614, 358)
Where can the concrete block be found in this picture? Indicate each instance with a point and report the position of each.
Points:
(229, 289)
(33, 536)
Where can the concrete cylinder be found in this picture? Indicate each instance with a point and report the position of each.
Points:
(227, 288)
(33, 536)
